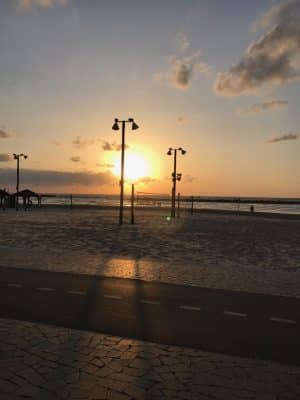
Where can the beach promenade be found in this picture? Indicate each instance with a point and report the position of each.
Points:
(213, 259)
(238, 323)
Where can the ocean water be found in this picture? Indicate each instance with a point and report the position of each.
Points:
(271, 205)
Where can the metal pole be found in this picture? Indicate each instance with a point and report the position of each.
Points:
(71, 201)
(18, 180)
(132, 204)
(178, 205)
(122, 175)
(174, 184)
(192, 207)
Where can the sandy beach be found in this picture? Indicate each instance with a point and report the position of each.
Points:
(228, 251)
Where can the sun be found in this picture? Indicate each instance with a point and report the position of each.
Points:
(136, 166)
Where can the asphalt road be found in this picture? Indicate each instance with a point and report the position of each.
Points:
(238, 323)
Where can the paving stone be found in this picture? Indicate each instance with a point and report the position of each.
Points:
(27, 390)
(98, 362)
(67, 363)
(135, 392)
(104, 371)
(99, 393)
(117, 396)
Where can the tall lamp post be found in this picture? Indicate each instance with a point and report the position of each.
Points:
(175, 176)
(115, 127)
(17, 157)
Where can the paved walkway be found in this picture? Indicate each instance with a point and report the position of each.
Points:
(42, 362)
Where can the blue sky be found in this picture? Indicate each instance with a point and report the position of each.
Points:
(68, 67)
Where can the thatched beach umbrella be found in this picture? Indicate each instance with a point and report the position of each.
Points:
(26, 194)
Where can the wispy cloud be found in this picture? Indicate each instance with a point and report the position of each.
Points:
(182, 41)
(26, 4)
(107, 165)
(273, 59)
(4, 134)
(5, 157)
(113, 146)
(146, 180)
(183, 69)
(75, 159)
(57, 178)
(80, 143)
(189, 178)
(286, 136)
(182, 119)
(273, 105)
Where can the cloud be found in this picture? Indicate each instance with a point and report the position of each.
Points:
(105, 165)
(182, 70)
(56, 178)
(273, 105)
(107, 146)
(286, 136)
(4, 134)
(26, 4)
(4, 157)
(189, 178)
(81, 143)
(277, 14)
(271, 60)
(182, 41)
(182, 119)
(75, 159)
(146, 180)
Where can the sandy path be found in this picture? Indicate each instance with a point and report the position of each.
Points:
(225, 251)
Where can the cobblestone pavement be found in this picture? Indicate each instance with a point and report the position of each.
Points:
(43, 362)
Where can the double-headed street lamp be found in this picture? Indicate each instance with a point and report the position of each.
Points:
(115, 127)
(175, 176)
(17, 157)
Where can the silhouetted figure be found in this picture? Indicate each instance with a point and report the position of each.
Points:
(252, 208)
(3, 198)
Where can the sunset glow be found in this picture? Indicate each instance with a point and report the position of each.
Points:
(136, 166)
(188, 74)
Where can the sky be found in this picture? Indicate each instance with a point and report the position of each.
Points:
(219, 79)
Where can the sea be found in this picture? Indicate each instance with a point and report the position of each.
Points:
(259, 204)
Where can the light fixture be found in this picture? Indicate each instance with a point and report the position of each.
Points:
(134, 126)
(115, 126)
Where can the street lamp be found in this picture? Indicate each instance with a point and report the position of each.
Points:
(175, 176)
(115, 127)
(17, 157)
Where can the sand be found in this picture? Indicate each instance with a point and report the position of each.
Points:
(227, 251)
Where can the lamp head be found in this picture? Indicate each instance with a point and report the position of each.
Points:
(115, 126)
(15, 156)
(183, 151)
(25, 156)
(134, 125)
(169, 152)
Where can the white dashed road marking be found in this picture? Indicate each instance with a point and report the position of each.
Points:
(14, 285)
(190, 308)
(235, 314)
(283, 320)
(152, 302)
(45, 289)
(77, 292)
(111, 296)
